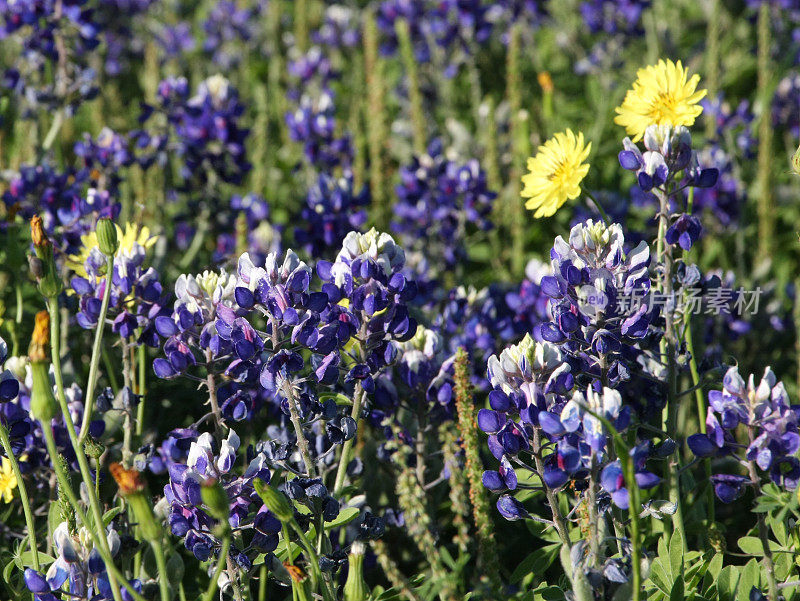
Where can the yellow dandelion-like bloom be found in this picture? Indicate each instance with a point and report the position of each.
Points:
(556, 173)
(127, 238)
(8, 481)
(662, 94)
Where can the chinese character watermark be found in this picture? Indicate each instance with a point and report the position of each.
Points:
(717, 301)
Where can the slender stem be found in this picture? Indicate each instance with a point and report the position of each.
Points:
(110, 372)
(161, 564)
(766, 205)
(302, 443)
(83, 463)
(667, 346)
(212, 395)
(599, 207)
(96, 353)
(142, 391)
(636, 549)
(221, 562)
(344, 459)
(262, 582)
(100, 541)
(23, 494)
(558, 519)
(763, 535)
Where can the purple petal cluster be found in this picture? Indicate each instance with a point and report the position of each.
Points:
(771, 424)
(439, 203)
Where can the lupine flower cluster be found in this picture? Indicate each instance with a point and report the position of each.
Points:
(136, 298)
(440, 201)
(206, 130)
(56, 36)
(771, 423)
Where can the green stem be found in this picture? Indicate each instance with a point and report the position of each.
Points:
(100, 541)
(597, 204)
(667, 346)
(414, 94)
(110, 372)
(302, 442)
(223, 554)
(83, 463)
(766, 208)
(96, 353)
(142, 359)
(23, 494)
(161, 564)
(344, 459)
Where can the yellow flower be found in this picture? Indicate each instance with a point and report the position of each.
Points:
(662, 94)
(132, 235)
(556, 173)
(8, 481)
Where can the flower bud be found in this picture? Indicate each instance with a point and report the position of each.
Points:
(275, 501)
(107, 238)
(355, 588)
(43, 403)
(216, 499)
(93, 448)
(46, 273)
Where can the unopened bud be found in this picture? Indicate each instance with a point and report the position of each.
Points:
(355, 588)
(275, 501)
(93, 448)
(107, 238)
(216, 499)
(45, 271)
(43, 403)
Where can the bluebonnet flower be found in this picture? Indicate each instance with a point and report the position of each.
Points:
(190, 520)
(668, 153)
(340, 28)
(415, 13)
(136, 298)
(229, 28)
(771, 424)
(314, 124)
(504, 13)
(529, 383)
(206, 130)
(592, 275)
(614, 16)
(612, 478)
(68, 210)
(439, 201)
(685, 231)
(105, 157)
(119, 22)
(78, 567)
(724, 201)
(36, 24)
(731, 123)
(333, 208)
(176, 39)
(190, 330)
(528, 304)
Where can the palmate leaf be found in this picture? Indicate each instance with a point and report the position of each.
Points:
(675, 574)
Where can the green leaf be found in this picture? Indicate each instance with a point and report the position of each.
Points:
(536, 562)
(727, 582)
(676, 556)
(748, 579)
(109, 515)
(25, 559)
(752, 546)
(341, 399)
(346, 515)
